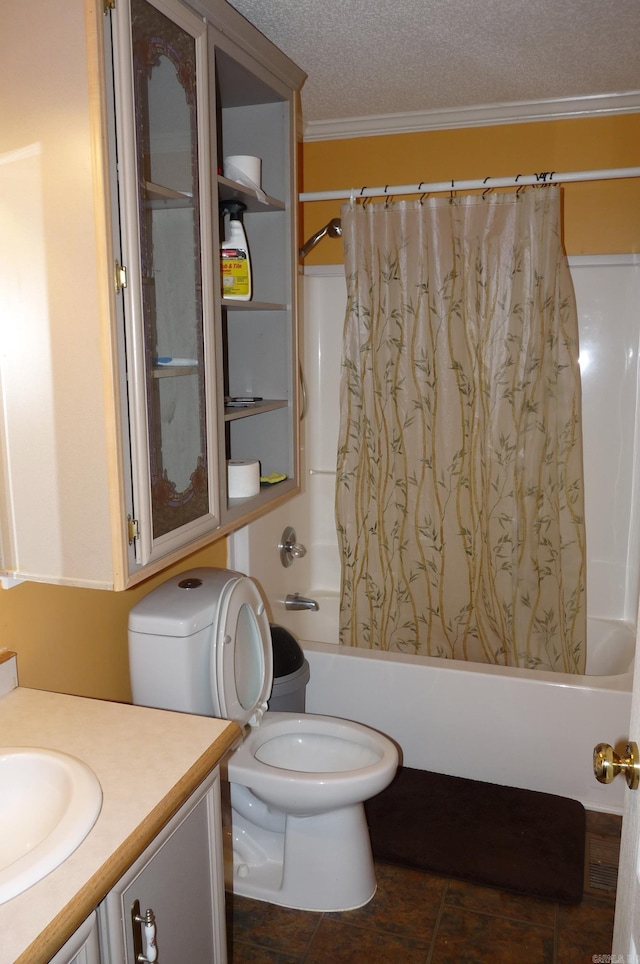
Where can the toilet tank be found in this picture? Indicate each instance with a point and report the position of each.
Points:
(170, 634)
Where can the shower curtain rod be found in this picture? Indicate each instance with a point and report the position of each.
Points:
(488, 183)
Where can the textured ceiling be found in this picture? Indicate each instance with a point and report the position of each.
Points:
(373, 57)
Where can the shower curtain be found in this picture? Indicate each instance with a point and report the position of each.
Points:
(459, 498)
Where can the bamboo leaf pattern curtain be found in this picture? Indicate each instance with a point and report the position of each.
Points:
(459, 498)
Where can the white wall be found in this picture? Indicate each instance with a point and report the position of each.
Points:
(608, 296)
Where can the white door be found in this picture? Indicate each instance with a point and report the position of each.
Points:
(626, 932)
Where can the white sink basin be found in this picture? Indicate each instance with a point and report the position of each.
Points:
(49, 802)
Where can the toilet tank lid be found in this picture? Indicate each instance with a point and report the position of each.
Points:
(183, 605)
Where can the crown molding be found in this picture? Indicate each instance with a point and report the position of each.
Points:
(521, 112)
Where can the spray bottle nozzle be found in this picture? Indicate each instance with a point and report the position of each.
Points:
(235, 209)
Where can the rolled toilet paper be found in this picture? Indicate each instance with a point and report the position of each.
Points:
(243, 478)
(245, 169)
(239, 166)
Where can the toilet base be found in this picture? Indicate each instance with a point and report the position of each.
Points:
(316, 863)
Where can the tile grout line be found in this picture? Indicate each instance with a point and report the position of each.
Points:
(312, 937)
(479, 912)
(436, 923)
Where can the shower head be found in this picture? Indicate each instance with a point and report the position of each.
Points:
(333, 229)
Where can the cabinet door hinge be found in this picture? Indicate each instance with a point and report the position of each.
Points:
(120, 277)
(133, 530)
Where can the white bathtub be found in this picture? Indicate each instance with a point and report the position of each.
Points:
(514, 727)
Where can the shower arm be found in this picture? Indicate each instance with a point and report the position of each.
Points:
(333, 229)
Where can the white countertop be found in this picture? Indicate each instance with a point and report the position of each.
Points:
(148, 763)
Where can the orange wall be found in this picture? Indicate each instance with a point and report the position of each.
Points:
(75, 640)
(600, 217)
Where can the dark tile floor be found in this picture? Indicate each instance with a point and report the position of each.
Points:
(418, 918)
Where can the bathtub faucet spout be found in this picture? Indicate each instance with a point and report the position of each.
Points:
(296, 601)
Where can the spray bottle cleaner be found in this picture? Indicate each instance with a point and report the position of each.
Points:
(235, 263)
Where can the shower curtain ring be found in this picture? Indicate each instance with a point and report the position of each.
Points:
(545, 178)
(451, 194)
(364, 200)
(486, 191)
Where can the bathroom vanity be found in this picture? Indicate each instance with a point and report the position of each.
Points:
(157, 842)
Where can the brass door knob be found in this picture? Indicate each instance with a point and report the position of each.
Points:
(607, 764)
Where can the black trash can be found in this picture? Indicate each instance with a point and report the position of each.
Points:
(290, 672)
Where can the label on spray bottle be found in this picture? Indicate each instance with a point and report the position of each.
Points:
(235, 272)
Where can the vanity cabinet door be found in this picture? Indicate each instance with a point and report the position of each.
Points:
(179, 879)
(83, 947)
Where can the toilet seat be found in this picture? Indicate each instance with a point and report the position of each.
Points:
(372, 757)
(241, 664)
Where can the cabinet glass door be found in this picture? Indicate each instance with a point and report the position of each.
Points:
(171, 297)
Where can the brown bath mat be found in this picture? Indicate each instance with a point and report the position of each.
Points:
(517, 840)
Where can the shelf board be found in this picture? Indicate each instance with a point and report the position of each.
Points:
(168, 371)
(232, 191)
(240, 507)
(254, 408)
(252, 305)
(158, 195)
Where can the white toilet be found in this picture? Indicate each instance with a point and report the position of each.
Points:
(201, 643)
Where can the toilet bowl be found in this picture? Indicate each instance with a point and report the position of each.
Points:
(201, 643)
